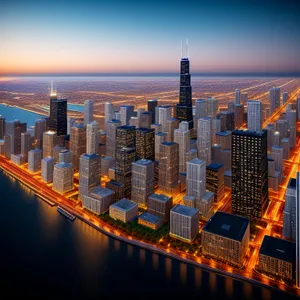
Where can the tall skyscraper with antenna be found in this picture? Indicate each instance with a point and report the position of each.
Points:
(184, 108)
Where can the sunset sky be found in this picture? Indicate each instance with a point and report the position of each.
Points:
(84, 37)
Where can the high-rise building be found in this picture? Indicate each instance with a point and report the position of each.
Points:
(215, 180)
(254, 115)
(160, 137)
(184, 222)
(111, 130)
(2, 127)
(88, 112)
(160, 205)
(77, 143)
(47, 169)
(196, 178)
(289, 212)
(145, 120)
(49, 142)
(168, 167)
(145, 148)
(126, 113)
(274, 99)
(230, 107)
(200, 109)
(58, 115)
(125, 137)
(277, 155)
(170, 126)
(92, 137)
(14, 130)
(142, 181)
(34, 160)
(285, 144)
(124, 210)
(7, 146)
(298, 230)
(224, 139)
(249, 173)
(204, 139)
(211, 107)
(244, 98)
(270, 128)
(40, 126)
(25, 145)
(184, 110)
(227, 120)
(109, 112)
(89, 172)
(182, 138)
(238, 115)
(282, 128)
(285, 97)
(65, 156)
(164, 114)
(237, 96)
(63, 177)
(152, 104)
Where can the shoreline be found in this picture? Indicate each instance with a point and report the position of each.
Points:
(144, 245)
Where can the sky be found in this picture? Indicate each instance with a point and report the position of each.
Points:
(99, 37)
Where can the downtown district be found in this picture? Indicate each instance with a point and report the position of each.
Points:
(215, 187)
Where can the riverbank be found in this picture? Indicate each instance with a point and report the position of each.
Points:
(104, 228)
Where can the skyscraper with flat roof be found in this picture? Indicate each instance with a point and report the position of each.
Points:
(77, 143)
(298, 230)
(2, 127)
(49, 142)
(126, 113)
(204, 139)
(249, 173)
(47, 169)
(111, 130)
(254, 115)
(109, 111)
(145, 143)
(58, 115)
(151, 108)
(63, 177)
(182, 138)
(274, 99)
(92, 137)
(34, 160)
(88, 112)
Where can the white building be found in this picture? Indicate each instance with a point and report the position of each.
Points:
(109, 111)
(63, 177)
(254, 115)
(92, 137)
(237, 96)
(88, 112)
(274, 99)
(111, 129)
(164, 114)
(127, 111)
(211, 107)
(204, 135)
(182, 138)
(49, 141)
(47, 169)
(124, 210)
(34, 160)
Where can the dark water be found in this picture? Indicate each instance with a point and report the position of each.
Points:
(45, 255)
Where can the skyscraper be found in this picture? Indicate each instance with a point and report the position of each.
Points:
(40, 126)
(47, 169)
(274, 99)
(237, 96)
(58, 115)
(204, 139)
(88, 112)
(109, 111)
(254, 115)
(249, 173)
(184, 111)
(63, 178)
(151, 108)
(145, 143)
(89, 172)
(142, 181)
(227, 121)
(14, 130)
(77, 143)
(164, 114)
(238, 115)
(298, 230)
(285, 97)
(2, 127)
(182, 138)
(126, 113)
(111, 130)
(168, 167)
(34, 160)
(92, 137)
(211, 107)
(25, 145)
(49, 141)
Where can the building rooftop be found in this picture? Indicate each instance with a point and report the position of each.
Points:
(169, 143)
(160, 197)
(124, 204)
(161, 133)
(224, 133)
(278, 248)
(145, 129)
(63, 165)
(150, 218)
(292, 183)
(100, 192)
(228, 173)
(182, 173)
(36, 150)
(107, 158)
(90, 156)
(114, 121)
(126, 127)
(185, 210)
(128, 106)
(197, 161)
(248, 133)
(146, 113)
(227, 225)
(116, 183)
(78, 125)
(208, 195)
(143, 162)
(152, 100)
(286, 140)
(48, 159)
(215, 167)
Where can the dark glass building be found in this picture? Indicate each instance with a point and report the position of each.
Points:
(249, 173)
(184, 109)
(151, 108)
(145, 143)
(58, 115)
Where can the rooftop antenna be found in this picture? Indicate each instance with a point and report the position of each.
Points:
(52, 91)
(187, 48)
(181, 50)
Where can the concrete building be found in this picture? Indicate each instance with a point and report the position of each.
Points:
(49, 142)
(124, 210)
(152, 221)
(77, 143)
(215, 180)
(2, 127)
(160, 205)
(145, 120)
(98, 200)
(206, 206)
(184, 222)
(47, 169)
(145, 148)
(227, 121)
(65, 156)
(285, 97)
(168, 167)
(88, 112)
(238, 115)
(108, 111)
(277, 155)
(63, 177)
(26, 145)
(226, 237)
(254, 115)
(274, 99)
(211, 107)
(89, 173)
(92, 137)
(34, 160)
(224, 139)
(160, 137)
(127, 111)
(7, 146)
(118, 189)
(111, 129)
(152, 104)
(204, 135)
(14, 130)
(270, 128)
(40, 126)
(282, 128)
(182, 138)
(164, 114)
(277, 258)
(285, 144)
(107, 162)
(142, 181)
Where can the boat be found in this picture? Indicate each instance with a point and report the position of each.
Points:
(66, 214)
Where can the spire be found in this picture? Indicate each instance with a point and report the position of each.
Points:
(52, 89)
(187, 48)
(181, 50)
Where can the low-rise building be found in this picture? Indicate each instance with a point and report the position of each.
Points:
(118, 189)
(206, 206)
(277, 257)
(124, 210)
(150, 220)
(98, 200)
(189, 201)
(184, 222)
(160, 205)
(226, 237)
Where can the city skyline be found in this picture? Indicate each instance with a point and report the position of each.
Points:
(117, 38)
